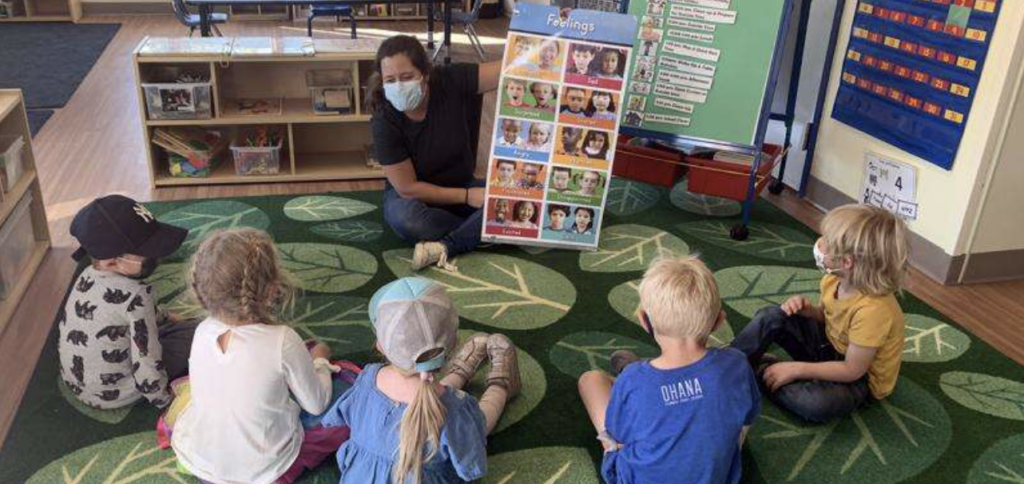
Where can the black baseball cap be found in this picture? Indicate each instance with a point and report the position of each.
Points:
(114, 225)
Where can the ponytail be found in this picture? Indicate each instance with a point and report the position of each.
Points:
(421, 426)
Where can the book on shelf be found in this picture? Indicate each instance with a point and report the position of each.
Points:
(170, 46)
(379, 10)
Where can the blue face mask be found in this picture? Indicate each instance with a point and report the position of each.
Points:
(404, 96)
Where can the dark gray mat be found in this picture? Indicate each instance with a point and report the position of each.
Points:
(37, 118)
(49, 60)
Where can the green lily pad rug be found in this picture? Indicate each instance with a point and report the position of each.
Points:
(957, 414)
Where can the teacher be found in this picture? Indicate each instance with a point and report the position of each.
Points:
(422, 138)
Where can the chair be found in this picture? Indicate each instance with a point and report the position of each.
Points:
(336, 10)
(193, 22)
(466, 19)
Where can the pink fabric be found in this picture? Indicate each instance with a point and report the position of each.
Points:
(318, 444)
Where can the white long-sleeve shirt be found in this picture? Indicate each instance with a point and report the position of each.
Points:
(242, 425)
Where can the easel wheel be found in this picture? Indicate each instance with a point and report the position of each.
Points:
(776, 187)
(739, 232)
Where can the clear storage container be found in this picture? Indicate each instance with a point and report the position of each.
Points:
(331, 91)
(17, 240)
(11, 148)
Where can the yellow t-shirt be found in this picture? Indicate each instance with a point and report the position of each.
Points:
(870, 322)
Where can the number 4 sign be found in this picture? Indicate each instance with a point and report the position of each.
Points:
(891, 185)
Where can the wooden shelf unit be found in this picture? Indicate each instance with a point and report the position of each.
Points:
(43, 11)
(14, 122)
(316, 148)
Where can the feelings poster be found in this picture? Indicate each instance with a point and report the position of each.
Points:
(554, 138)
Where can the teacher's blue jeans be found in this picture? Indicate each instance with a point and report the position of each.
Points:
(458, 227)
(815, 401)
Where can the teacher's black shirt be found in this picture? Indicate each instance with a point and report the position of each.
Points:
(439, 146)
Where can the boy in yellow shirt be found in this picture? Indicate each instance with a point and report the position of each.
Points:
(847, 349)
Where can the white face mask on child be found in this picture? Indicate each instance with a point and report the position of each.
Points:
(819, 260)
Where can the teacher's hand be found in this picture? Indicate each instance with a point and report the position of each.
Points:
(476, 197)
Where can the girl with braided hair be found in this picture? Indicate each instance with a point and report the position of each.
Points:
(250, 377)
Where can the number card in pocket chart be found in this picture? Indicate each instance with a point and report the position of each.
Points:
(554, 137)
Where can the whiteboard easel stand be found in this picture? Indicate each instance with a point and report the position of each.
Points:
(740, 231)
(819, 106)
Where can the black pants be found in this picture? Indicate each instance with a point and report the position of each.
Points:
(805, 340)
(176, 344)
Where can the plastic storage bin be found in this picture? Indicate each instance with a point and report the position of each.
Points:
(11, 162)
(648, 165)
(730, 180)
(331, 91)
(17, 240)
(257, 160)
(169, 99)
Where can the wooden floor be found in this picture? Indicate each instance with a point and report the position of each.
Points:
(94, 146)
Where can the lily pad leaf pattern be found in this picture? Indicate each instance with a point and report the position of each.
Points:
(928, 340)
(749, 288)
(328, 268)
(1003, 463)
(132, 459)
(766, 240)
(579, 353)
(625, 299)
(204, 217)
(112, 417)
(350, 231)
(699, 204)
(884, 443)
(498, 290)
(343, 322)
(545, 465)
(987, 394)
(184, 307)
(631, 248)
(535, 386)
(627, 197)
(167, 281)
(322, 208)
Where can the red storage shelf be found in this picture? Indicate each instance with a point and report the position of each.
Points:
(729, 180)
(648, 165)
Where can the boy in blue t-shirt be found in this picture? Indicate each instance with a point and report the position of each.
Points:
(682, 416)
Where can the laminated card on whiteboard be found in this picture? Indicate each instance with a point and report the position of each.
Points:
(704, 71)
(559, 99)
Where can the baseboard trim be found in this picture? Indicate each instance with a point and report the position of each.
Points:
(925, 256)
(126, 8)
(996, 266)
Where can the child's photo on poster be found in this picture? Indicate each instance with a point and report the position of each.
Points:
(535, 57)
(589, 148)
(513, 218)
(517, 179)
(527, 140)
(590, 108)
(642, 88)
(577, 185)
(633, 118)
(595, 66)
(529, 99)
(637, 103)
(571, 223)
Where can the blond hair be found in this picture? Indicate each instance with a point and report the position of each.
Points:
(875, 239)
(680, 297)
(421, 426)
(236, 274)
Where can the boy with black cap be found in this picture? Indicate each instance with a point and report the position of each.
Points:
(112, 351)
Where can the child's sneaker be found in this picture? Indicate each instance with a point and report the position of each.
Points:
(504, 364)
(620, 359)
(427, 253)
(469, 357)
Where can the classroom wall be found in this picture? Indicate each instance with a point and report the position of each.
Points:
(948, 199)
(1000, 227)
